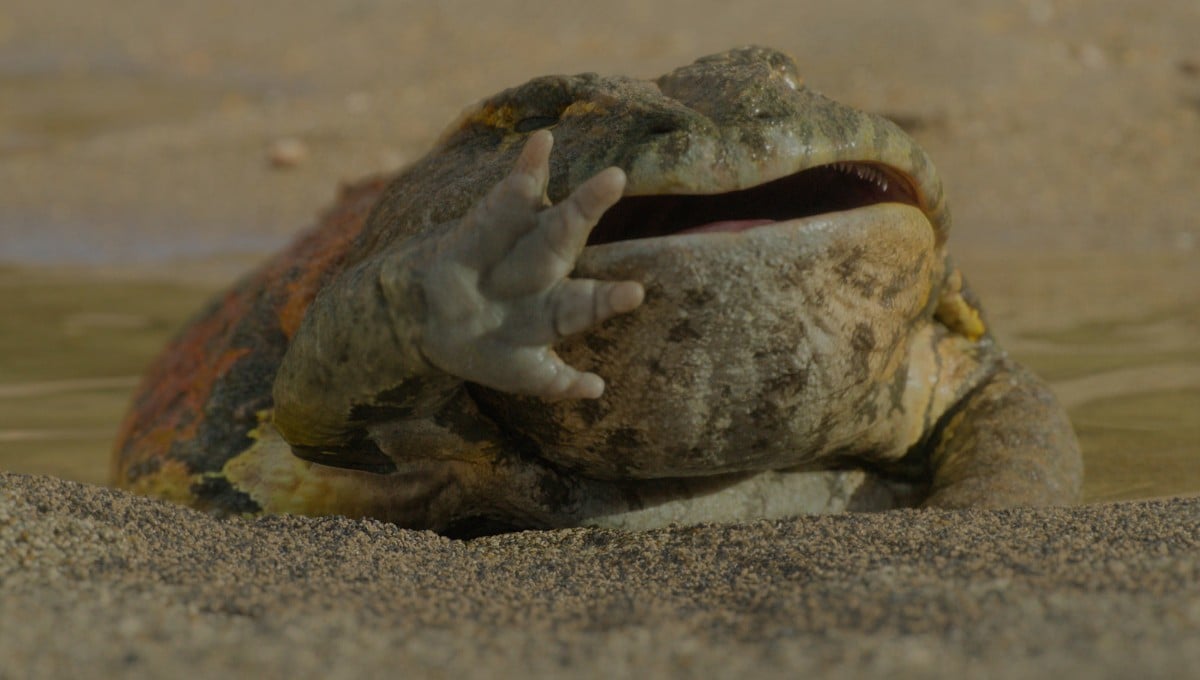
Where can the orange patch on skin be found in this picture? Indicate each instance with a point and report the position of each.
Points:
(169, 405)
(321, 252)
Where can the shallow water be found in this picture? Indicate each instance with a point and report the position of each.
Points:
(71, 349)
(1135, 408)
(73, 344)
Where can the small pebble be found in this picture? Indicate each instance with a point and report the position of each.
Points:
(288, 152)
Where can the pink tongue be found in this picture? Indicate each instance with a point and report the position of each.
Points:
(725, 225)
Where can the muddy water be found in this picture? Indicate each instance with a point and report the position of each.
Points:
(1136, 410)
(1119, 340)
(71, 349)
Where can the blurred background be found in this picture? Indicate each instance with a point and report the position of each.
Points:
(150, 152)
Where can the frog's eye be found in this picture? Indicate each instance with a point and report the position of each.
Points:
(535, 123)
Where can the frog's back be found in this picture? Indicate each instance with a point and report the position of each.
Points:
(200, 399)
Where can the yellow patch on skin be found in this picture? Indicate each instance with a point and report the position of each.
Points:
(583, 108)
(281, 483)
(503, 117)
(488, 115)
(956, 313)
(960, 317)
(172, 482)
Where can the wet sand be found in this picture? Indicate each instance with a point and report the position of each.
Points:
(135, 180)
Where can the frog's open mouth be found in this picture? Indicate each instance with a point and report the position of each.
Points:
(823, 189)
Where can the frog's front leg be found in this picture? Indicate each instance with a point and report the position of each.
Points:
(1007, 443)
(482, 300)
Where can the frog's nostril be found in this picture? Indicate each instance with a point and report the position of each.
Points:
(662, 128)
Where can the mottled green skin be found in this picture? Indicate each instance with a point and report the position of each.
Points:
(835, 362)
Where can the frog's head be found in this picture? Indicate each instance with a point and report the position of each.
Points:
(732, 140)
(790, 247)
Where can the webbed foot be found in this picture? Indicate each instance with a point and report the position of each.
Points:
(498, 294)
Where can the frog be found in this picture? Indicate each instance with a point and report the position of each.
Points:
(712, 296)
